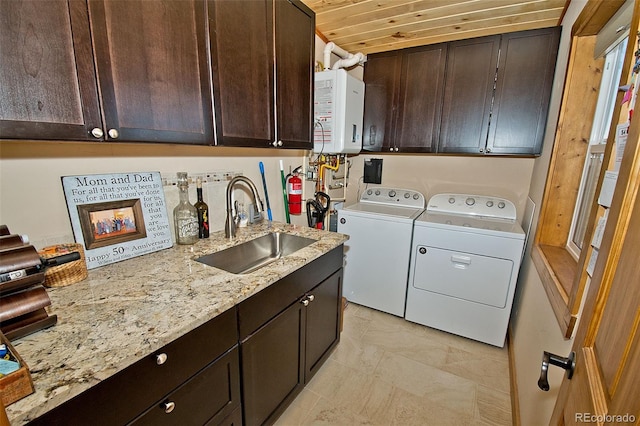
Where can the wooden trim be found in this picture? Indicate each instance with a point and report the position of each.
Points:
(558, 270)
(513, 379)
(594, 16)
(322, 36)
(556, 294)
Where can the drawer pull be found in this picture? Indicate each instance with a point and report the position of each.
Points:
(161, 358)
(169, 406)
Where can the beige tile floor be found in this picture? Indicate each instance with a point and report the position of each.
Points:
(388, 371)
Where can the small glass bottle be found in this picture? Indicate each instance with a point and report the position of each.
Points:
(185, 215)
(203, 212)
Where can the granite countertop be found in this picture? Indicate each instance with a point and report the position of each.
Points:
(124, 311)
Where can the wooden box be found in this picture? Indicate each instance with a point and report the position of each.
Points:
(16, 385)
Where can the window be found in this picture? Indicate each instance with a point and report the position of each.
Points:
(614, 60)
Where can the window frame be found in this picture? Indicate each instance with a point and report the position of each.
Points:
(563, 277)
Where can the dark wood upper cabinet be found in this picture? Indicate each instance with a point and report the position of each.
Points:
(403, 98)
(256, 106)
(486, 95)
(523, 90)
(152, 70)
(471, 70)
(47, 79)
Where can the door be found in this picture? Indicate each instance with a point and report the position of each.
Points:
(272, 365)
(48, 85)
(471, 70)
(294, 44)
(607, 343)
(323, 322)
(152, 70)
(382, 81)
(523, 89)
(242, 62)
(422, 87)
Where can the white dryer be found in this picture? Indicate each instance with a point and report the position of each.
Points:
(465, 260)
(380, 228)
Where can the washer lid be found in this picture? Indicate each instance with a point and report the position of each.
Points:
(372, 209)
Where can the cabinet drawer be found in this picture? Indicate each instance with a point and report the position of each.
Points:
(123, 396)
(260, 308)
(208, 397)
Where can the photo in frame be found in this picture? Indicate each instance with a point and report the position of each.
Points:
(117, 216)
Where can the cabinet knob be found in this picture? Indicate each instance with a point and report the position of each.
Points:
(97, 132)
(277, 143)
(488, 149)
(161, 358)
(169, 406)
(305, 302)
(113, 133)
(311, 297)
(391, 149)
(481, 150)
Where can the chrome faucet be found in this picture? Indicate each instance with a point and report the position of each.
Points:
(230, 222)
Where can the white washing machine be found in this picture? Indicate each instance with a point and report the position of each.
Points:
(380, 227)
(466, 255)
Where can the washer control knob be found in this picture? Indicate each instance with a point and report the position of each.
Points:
(470, 201)
(377, 192)
(422, 250)
(369, 192)
(452, 200)
(416, 196)
(343, 220)
(489, 203)
(407, 195)
(392, 193)
(501, 205)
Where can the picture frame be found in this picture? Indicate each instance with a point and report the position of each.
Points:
(117, 216)
(112, 222)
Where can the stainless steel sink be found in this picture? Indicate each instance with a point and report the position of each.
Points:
(254, 254)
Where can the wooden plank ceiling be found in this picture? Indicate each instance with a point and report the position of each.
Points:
(370, 26)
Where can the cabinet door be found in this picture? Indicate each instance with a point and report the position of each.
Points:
(272, 370)
(323, 323)
(208, 397)
(294, 44)
(471, 71)
(382, 83)
(242, 62)
(523, 89)
(421, 90)
(47, 79)
(152, 70)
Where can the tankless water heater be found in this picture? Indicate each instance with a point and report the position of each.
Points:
(338, 112)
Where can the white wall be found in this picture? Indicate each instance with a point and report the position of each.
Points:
(32, 201)
(533, 324)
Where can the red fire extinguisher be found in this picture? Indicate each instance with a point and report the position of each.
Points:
(294, 193)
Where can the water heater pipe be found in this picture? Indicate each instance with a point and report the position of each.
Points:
(348, 59)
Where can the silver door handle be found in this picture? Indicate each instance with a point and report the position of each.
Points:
(568, 363)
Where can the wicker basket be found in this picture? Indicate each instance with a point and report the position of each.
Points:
(18, 384)
(67, 273)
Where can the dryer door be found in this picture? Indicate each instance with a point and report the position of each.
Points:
(471, 277)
